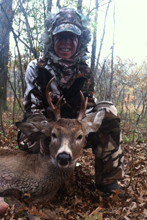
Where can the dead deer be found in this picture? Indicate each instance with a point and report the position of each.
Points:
(39, 175)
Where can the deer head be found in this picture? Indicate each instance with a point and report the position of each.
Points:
(67, 136)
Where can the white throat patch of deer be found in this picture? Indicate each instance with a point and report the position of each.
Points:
(42, 175)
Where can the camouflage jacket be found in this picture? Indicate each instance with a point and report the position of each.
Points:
(70, 78)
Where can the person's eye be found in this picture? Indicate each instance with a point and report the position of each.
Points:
(75, 37)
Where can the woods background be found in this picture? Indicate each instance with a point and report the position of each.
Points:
(121, 81)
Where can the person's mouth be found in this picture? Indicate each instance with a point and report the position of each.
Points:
(65, 49)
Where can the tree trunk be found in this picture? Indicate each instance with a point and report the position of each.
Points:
(58, 4)
(111, 77)
(49, 6)
(6, 15)
(94, 43)
(79, 6)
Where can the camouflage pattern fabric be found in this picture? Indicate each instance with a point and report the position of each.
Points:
(65, 71)
(67, 27)
(107, 147)
(68, 20)
(67, 74)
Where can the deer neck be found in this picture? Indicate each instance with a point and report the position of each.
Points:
(54, 170)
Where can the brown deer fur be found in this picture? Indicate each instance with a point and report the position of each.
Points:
(40, 175)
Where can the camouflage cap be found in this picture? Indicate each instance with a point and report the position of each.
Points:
(67, 27)
(67, 20)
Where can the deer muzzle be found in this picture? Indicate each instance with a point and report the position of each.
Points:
(64, 159)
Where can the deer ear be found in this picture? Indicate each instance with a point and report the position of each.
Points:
(35, 130)
(93, 121)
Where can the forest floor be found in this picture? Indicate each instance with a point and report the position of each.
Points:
(78, 198)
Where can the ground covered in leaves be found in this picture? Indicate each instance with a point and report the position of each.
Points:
(78, 198)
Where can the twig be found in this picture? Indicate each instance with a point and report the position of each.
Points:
(15, 94)
(102, 39)
(96, 210)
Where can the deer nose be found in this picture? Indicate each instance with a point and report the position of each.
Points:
(63, 158)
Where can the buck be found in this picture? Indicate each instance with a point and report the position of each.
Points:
(41, 175)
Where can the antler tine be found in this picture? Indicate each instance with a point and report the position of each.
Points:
(55, 110)
(48, 86)
(83, 106)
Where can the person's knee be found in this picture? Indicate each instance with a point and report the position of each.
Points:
(111, 111)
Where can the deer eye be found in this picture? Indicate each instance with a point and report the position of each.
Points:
(79, 137)
(54, 135)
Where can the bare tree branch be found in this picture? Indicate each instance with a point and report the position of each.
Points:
(29, 32)
(102, 39)
(112, 54)
(94, 43)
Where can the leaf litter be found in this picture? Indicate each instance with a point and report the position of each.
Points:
(78, 198)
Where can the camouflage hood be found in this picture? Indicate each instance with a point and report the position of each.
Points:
(66, 20)
(65, 70)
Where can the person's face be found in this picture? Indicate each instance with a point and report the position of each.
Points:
(65, 44)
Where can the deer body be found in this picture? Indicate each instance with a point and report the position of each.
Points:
(32, 173)
(41, 175)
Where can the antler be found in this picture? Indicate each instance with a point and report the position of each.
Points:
(83, 106)
(55, 110)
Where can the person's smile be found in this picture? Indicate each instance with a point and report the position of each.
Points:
(65, 44)
(65, 49)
